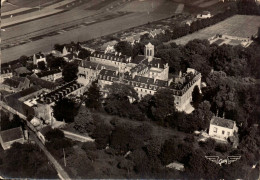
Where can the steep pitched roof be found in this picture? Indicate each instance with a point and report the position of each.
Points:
(218, 121)
(47, 73)
(22, 70)
(144, 80)
(11, 134)
(42, 83)
(89, 65)
(11, 83)
(106, 72)
(139, 58)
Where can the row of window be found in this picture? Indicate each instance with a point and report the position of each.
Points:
(215, 130)
(144, 90)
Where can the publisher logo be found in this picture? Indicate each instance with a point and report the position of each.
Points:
(228, 160)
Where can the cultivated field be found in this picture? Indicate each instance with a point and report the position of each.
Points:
(238, 25)
(142, 6)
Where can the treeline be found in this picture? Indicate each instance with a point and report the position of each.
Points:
(248, 7)
(183, 30)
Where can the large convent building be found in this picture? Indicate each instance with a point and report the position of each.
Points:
(146, 74)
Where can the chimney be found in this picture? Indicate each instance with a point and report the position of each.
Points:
(224, 114)
(119, 54)
(26, 134)
(180, 74)
(158, 65)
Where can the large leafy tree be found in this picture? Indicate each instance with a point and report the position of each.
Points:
(93, 99)
(9, 124)
(196, 97)
(163, 105)
(64, 110)
(41, 65)
(55, 62)
(83, 54)
(124, 47)
(84, 121)
(118, 101)
(70, 72)
(26, 161)
(54, 134)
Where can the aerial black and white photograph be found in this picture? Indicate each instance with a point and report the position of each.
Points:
(130, 89)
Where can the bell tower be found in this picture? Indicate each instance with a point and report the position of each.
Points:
(149, 51)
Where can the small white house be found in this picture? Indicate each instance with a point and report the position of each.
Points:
(204, 15)
(221, 128)
(176, 165)
(38, 58)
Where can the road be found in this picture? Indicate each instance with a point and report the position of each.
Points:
(61, 172)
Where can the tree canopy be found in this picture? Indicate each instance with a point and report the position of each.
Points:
(93, 99)
(70, 72)
(64, 110)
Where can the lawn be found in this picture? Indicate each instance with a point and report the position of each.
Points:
(238, 25)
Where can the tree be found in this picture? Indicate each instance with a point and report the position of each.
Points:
(84, 54)
(124, 47)
(26, 161)
(118, 101)
(196, 97)
(54, 134)
(93, 99)
(64, 110)
(168, 151)
(101, 134)
(9, 124)
(70, 72)
(84, 121)
(55, 62)
(23, 60)
(41, 65)
(202, 115)
(163, 105)
(58, 47)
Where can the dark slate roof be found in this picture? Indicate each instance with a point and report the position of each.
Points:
(60, 92)
(12, 134)
(22, 70)
(19, 106)
(155, 62)
(161, 83)
(24, 92)
(139, 68)
(218, 121)
(47, 73)
(106, 72)
(16, 78)
(12, 83)
(89, 65)
(139, 58)
(42, 83)
(16, 65)
(144, 80)
(110, 56)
